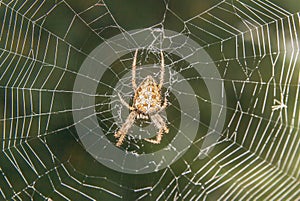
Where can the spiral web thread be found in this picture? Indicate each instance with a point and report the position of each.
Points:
(256, 157)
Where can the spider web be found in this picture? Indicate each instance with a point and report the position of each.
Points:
(50, 73)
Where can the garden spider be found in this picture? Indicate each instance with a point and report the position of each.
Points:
(147, 103)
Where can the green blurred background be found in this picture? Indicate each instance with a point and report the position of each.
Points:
(43, 45)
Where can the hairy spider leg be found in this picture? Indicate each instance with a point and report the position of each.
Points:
(133, 81)
(164, 105)
(125, 127)
(161, 125)
(124, 103)
(162, 70)
(158, 137)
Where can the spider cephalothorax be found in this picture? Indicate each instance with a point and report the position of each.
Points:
(147, 103)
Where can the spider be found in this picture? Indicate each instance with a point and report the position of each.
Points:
(147, 103)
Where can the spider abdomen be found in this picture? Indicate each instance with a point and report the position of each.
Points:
(147, 98)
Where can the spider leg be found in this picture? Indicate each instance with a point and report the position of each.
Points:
(158, 137)
(124, 103)
(134, 70)
(164, 105)
(162, 70)
(121, 133)
(161, 125)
